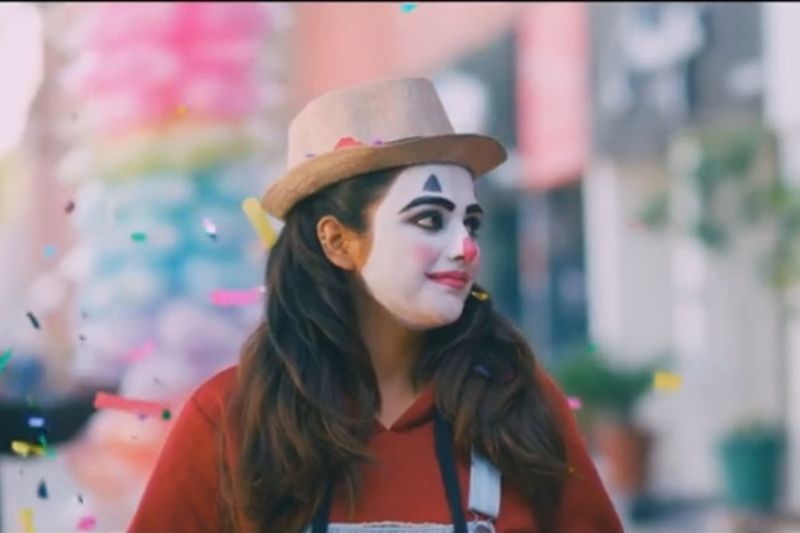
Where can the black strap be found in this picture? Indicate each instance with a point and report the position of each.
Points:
(322, 516)
(443, 438)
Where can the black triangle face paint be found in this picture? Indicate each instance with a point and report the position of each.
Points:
(432, 184)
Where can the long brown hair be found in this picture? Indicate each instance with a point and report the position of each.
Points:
(307, 395)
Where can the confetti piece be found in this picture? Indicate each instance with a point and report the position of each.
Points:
(138, 236)
(80, 499)
(26, 519)
(480, 295)
(109, 401)
(140, 353)
(309, 155)
(25, 449)
(82, 337)
(86, 523)
(5, 358)
(258, 219)
(235, 298)
(210, 228)
(35, 421)
(407, 7)
(50, 452)
(33, 320)
(49, 250)
(181, 111)
(377, 142)
(345, 142)
(480, 369)
(574, 402)
(42, 490)
(70, 206)
(667, 381)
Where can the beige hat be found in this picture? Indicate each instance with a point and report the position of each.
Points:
(371, 127)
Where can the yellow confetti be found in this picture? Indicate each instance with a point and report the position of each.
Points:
(480, 295)
(258, 218)
(667, 381)
(25, 449)
(26, 519)
(181, 111)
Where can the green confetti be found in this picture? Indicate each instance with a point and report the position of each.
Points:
(138, 236)
(166, 415)
(4, 359)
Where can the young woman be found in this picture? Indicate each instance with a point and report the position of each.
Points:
(381, 391)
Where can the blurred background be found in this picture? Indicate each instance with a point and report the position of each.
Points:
(644, 233)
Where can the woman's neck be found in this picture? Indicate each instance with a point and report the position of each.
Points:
(394, 349)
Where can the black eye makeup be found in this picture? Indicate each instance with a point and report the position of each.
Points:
(430, 219)
(473, 224)
(433, 219)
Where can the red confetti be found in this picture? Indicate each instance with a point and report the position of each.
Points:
(110, 401)
(345, 142)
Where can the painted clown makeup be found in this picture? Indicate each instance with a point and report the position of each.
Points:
(424, 258)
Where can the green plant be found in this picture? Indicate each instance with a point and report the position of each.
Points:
(603, 389)
(733, 176)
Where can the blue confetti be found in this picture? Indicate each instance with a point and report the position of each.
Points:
(49, 250)
(408, 7)
(36, 421)
(42, 491)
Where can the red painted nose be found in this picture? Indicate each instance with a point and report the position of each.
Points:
(470, 250)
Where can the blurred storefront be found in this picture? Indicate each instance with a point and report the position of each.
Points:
(665, 75)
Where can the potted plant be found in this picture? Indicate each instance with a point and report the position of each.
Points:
(609, 395)
(752, 462)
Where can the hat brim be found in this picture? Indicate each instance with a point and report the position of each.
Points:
(477, 153)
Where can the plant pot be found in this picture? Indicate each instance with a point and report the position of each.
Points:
(626, 448)
(752, 467)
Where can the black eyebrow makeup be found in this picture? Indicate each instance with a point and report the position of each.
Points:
(474, 209)
(430, 200)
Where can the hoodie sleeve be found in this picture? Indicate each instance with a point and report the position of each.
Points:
(586, 507)
(182, 493)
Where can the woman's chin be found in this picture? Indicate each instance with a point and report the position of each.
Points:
(437, 319)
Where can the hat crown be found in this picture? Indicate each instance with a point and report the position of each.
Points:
(387, 111)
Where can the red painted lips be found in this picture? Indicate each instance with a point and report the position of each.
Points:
(456, 279)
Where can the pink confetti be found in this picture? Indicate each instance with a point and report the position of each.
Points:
(235, 298)
(210, 228)
(87, 523)
(574, 402)
(140, 353)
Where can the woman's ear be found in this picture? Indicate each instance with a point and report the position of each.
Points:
(339, 243)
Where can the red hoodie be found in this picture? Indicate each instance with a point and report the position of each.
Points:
(404, 485)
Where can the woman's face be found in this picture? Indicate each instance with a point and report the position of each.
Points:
(423, 258)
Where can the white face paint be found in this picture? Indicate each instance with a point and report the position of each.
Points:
(424, 260)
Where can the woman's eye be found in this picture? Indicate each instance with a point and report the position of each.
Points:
(430, 221)
(473, 225)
